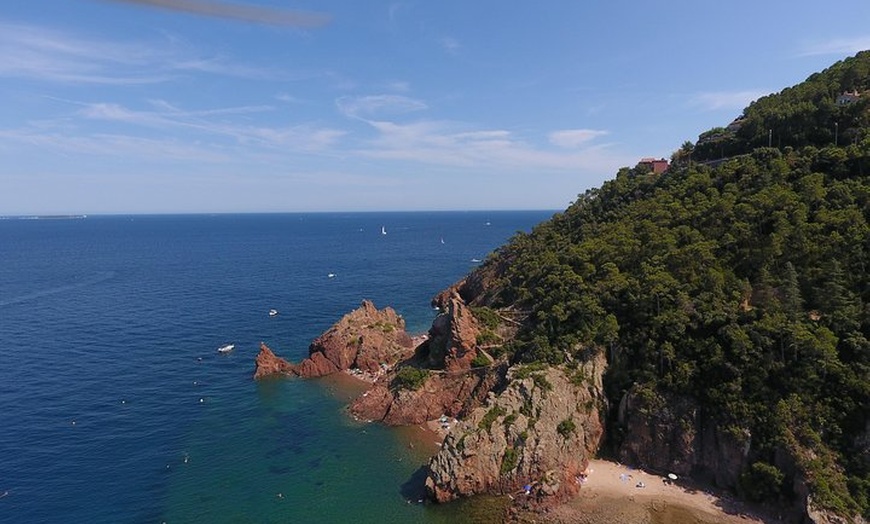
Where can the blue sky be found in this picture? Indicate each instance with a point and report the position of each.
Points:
(270, 105)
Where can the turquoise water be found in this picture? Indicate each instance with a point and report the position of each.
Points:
(117, 407)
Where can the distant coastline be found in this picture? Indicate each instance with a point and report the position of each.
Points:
(44, 217)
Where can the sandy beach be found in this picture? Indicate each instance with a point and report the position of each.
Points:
(612, 493)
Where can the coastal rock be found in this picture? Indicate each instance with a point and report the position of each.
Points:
(667, 433)
(453, 383)
(540, 431)
(452, 342)
(452, 394)
(365, 339)
(268, 363)
(818, 515)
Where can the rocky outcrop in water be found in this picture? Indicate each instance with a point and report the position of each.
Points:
(366, 339)
(449, 382)
(269, 364)
(540, 431)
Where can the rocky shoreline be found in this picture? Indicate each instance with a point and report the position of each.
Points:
(523, 432)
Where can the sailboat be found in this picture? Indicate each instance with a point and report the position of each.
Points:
(383, 230)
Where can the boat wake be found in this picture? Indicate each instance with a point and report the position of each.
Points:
(101, 277)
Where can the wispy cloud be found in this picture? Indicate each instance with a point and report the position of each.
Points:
(223, 134)
(36, 52)
(242, 12)
(573, 138)
(450, 44)
(288, 99)
(377, 105)
(399, 86)
(301, 137)
(731, 100)
(116, 146)
(453, 145)
(40, 53)
(837, 46)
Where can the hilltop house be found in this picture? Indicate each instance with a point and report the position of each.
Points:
(657, 166)
(848, 97)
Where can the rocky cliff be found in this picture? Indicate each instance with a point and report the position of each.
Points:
(668, 434)
(539, 431)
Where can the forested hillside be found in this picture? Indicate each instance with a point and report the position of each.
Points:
(738, 278)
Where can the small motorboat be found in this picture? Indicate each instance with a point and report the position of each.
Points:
(226, 348)
(273, 312)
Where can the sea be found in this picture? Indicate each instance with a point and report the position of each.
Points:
(115, 406)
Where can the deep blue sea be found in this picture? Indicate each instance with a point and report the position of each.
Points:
(116, 408)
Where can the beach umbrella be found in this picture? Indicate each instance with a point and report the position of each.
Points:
(672, 476)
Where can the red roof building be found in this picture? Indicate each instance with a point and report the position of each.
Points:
(657, 166)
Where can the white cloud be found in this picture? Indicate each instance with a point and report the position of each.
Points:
(377, 105)
(35, 52)
(837, 46)
(117, 146)
(176, 132)
(453, 145)
(573, 138)
(399, 86)
(288, 99)
(731, 100)
(299, 137)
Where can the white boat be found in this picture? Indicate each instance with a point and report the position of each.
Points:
(273, 312)
(383, 230)
(226, 348)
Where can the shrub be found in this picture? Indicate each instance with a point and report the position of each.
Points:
(410, 378)
(487, 337)
(510, 460)
(526, 370)
(480, 360)
(486, 316)
(489, 418)
(762, 481)
(542, 382)
(566, 428)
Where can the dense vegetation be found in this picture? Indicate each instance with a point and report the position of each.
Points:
(742, 283)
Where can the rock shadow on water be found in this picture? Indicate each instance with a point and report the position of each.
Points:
(481, 509)
(414, 489)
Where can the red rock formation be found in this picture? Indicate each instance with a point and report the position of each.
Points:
(452, 343)
(451, 394)
(363, 339)
(269, 364)
(540, 430)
